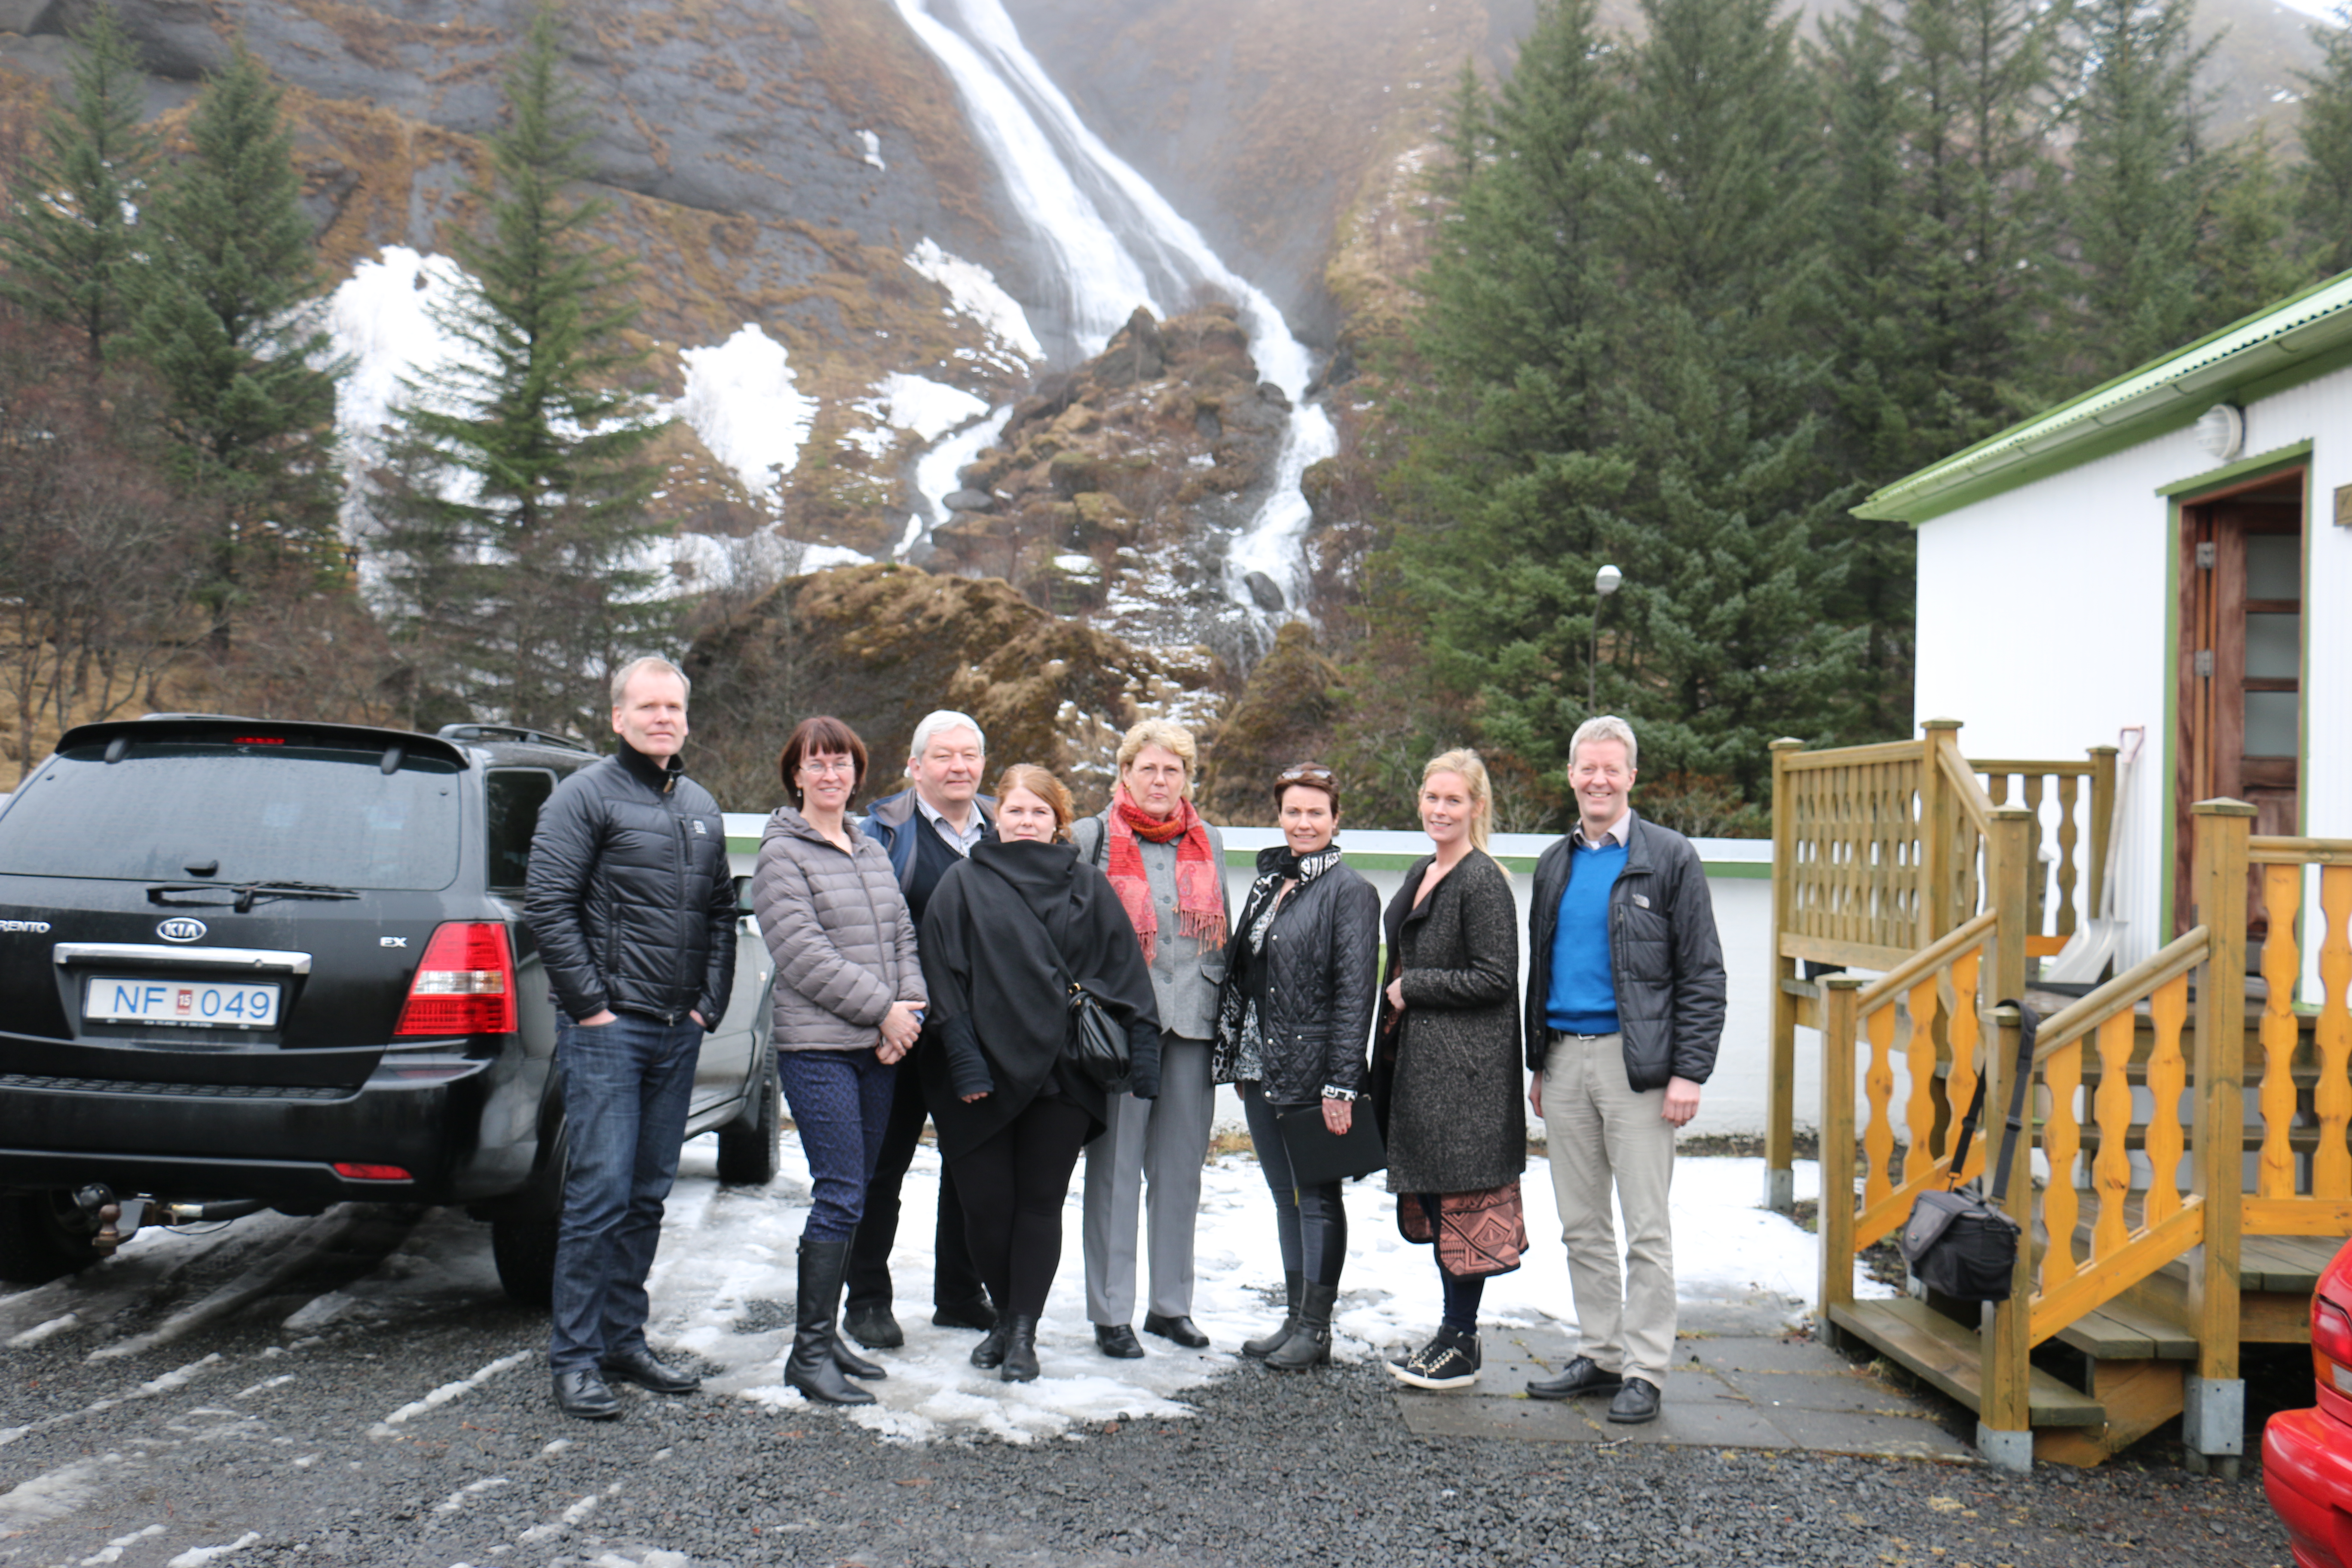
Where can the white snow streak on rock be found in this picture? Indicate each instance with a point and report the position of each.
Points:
(113, 1549)
(178, 1377)
(743, 401)
(571, 1516)
(54, 1495)
(457, 1500)
(198, 1556)
(872, 145)
(449, 1391)
(975, 292)
(41, 1331)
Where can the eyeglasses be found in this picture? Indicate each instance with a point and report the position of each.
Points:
(822, 766)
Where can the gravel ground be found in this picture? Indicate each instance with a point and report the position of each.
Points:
(246, 1448)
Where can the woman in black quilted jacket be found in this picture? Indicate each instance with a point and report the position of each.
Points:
(847, 1006)
(1292, 1018)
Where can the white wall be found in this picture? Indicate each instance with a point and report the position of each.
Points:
(1734, 1101)
(2042, 616)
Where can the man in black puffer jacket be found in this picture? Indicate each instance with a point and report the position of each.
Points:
(1624, 1010)
(632, 905)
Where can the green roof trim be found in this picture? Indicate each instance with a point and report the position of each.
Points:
(2303, 336)
(2244, 468)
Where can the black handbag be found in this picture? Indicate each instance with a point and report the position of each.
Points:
(1958, 1242)
(1095, 1043)
(1318, 1155)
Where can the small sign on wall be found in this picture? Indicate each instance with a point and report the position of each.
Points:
(2343, 506)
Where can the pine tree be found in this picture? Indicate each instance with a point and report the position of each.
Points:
(2324, 196)
(1729, 633)
(2250, 254)
(2142, 179)
(1505, 494)
(230, 324)
(515, 512)
(1468, 138)
(68, 236)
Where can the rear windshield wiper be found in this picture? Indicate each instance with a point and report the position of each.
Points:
(248, 893)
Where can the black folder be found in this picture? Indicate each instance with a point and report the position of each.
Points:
(1317, 1155)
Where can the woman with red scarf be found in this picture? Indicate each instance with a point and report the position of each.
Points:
(1168, 867)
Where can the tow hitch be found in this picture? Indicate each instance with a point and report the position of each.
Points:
(117, 1219)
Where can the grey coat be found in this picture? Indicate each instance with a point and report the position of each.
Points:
(1185, 973)
(839, 929)
(1445, 1070)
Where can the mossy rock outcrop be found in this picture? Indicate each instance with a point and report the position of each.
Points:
(1284, 715)
(880, 646)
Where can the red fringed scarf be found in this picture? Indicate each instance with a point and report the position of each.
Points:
(1199, 880)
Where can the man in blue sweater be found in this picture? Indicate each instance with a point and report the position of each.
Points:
(1624, 1010)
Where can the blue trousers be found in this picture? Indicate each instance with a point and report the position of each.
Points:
(841, 1107)
(626, 1088)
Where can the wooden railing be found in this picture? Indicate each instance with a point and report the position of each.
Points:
(2304, 1088)
(1880, 851)
(2150, 1064)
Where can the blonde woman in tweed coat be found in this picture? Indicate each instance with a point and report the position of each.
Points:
(848, 1004)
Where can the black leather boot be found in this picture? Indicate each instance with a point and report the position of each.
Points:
(1265, 1346)
(1019, 1351)
(1310, 1343)
(812, 1367)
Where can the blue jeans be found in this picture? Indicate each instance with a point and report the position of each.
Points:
(626, 1088)
(841, 1107)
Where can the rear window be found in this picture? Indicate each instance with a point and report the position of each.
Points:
(211, 810)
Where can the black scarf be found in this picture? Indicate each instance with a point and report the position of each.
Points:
(1276, 864)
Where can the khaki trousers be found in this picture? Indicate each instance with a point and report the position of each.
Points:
(1601, 1135)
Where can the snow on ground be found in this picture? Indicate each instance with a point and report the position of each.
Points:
(928, 409)
(974, 291)
(742, 399)
(724, 1280)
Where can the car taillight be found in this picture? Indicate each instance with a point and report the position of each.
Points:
(2331, 1344)
(371, 1172)
(465, 985)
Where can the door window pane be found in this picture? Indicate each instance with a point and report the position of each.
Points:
(2275, 566)
(2274, 647)
(2271, 723)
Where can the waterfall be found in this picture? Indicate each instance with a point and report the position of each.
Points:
(1116, 243)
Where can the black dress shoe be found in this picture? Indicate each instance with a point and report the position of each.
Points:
(1577, 1379)
(1117, 1341)
(1179, 1328)
(871, 1324)
(975, 1313)
(583, 1395)
(638, 1366)
(1636, 1403)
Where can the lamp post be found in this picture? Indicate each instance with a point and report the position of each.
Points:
(1604, 583)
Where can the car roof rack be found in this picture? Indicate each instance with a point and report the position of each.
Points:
(510, 732)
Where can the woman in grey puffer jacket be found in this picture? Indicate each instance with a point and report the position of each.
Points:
(848, 1004)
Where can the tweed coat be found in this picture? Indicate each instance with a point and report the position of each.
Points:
(1445, 1069)
(838, 928)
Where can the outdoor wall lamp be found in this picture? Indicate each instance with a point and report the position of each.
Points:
(2221, 431)
(1604, 583)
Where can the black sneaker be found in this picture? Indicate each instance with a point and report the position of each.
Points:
(1449, 1360)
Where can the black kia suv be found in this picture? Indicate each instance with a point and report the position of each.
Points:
(249, 965)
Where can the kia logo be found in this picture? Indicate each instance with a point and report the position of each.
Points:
(180, 929)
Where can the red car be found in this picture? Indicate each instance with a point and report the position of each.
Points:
(2307, 1453)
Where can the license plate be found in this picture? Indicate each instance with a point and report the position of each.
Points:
(196, 1003)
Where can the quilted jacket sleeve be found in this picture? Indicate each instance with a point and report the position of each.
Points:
(1355, 983)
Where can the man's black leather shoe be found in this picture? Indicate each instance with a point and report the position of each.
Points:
(1117, 1341)
(638, 1366)
(583, 1395)
(1179, 1328)
(1577, 1379)
(975, 1313)
(1636, 1401)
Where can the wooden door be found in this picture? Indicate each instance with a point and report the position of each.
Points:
(2242, 638)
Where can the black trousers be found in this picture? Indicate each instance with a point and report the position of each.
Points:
(954, 1281)
(1018, 1182)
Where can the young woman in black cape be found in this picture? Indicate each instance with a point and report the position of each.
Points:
(1002, 931)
